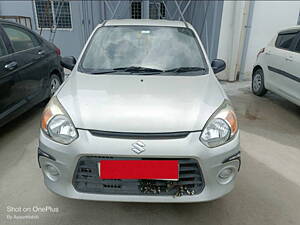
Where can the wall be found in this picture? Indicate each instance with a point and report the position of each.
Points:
(69, 41)
(268, 18)
(205, 16)
(230, 37)
(88, 13)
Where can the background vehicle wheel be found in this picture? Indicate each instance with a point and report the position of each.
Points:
(258, 86)
(55, 83)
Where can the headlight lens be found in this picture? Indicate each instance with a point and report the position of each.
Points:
(221, 127)
(56, 123)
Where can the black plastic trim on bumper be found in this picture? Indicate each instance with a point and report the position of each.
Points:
(130, 135)
(236, 156)
(44, 154)
(86, 178)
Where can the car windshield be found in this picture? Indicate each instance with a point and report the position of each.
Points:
(143, 49)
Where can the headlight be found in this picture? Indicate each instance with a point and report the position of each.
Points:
(56, 123)
(221, 127)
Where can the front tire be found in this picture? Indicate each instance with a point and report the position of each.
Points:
(258, 83)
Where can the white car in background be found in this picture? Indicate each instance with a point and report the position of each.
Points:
(278, 66)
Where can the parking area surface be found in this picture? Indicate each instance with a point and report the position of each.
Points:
(267, 189)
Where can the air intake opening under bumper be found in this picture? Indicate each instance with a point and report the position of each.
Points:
(86, 179)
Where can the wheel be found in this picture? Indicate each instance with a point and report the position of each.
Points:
(54, 84)
(258, 86)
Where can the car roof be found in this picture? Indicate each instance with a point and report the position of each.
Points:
(146, 22)
(8, 21)
(293, 29)
(13, 23)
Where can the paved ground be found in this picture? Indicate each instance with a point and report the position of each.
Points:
(267, 190)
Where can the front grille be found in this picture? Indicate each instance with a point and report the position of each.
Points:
(86, 179)
(129, 135)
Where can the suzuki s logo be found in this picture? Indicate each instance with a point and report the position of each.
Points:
(138, 147)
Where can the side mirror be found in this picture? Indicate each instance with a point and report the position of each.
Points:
(218, 65)
(68, 62)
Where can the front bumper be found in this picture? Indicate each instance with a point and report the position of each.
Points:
(65, 159)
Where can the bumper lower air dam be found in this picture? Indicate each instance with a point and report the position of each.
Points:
(86, 179)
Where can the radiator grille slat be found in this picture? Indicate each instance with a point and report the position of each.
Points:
(86, 178)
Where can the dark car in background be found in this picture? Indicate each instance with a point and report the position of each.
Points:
(30, 70)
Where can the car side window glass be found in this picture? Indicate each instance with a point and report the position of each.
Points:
(284, 41)
(297, 49)
(20, 38)
(3, 50)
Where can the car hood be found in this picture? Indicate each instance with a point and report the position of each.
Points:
(140, 104)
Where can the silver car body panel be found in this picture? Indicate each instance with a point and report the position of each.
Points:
(140, 103)
(146, 22)
(210, 161)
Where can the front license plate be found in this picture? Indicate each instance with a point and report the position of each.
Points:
(139, 169)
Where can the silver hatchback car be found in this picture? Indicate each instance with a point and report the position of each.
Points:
(141, 118)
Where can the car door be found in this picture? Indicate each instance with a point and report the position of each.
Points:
(29, 55)
(276, 59)
(290, 79)
(9, 97)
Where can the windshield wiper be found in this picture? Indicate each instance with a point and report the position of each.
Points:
(185, 69)
(145, 70)
(101, 71)
(131, 69)
(136, 69)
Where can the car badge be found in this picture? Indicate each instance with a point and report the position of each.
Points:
(138, 147)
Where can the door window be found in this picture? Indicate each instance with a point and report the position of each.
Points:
(284, 41)
(50, 13)
(157, 9)
(136, 10)
(20, 38)
(297, 49)
(3, 50)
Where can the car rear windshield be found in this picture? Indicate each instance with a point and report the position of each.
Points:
(157, 48)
